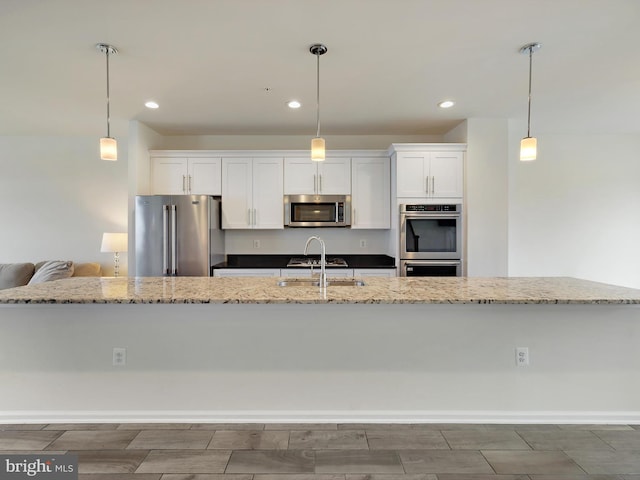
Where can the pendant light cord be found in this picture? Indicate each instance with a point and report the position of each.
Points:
(318, 94)
(529, 112)
(108, 112)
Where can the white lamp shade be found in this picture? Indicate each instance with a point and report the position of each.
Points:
(317, 149)
(528, 149)
(108, 149)
(114, 242)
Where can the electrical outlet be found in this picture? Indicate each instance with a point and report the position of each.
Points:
(363, 243)
(256, 244)
(522, 356)
(119, 356)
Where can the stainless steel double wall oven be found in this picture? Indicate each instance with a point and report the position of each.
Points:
(431, 240)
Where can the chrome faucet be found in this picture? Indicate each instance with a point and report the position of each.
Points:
(323, 259)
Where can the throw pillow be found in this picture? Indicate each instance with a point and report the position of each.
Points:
(15, 274)
(52, 270)
(87, 270)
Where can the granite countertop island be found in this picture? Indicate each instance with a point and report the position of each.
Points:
(242, 349)
(249, 290)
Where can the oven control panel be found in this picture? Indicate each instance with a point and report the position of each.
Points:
(430, 208)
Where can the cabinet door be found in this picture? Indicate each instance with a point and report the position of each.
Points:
(412, 172)
(370, 193)
(374, 272)
(205, 176)
(268, 207)
(168, 175)
(246, 272)
(334, 176)
(446, 174)
(236, 193)
(306, 272)
(300, 176)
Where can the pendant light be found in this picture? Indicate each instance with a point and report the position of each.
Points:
(108, 145)
(529, 144)
(317, 143)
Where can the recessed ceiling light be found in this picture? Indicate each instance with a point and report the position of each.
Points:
(294, 104)
(151, 104)
(446, 104)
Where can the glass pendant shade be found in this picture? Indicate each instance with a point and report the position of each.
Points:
(317, 143)
(108, 149)
(528, 149)
(108, 144)
(317, 149)
(529, 144)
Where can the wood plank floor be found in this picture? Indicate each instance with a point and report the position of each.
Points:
(336, 451)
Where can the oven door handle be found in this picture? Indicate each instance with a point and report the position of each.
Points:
(421, 263)
(431, 215)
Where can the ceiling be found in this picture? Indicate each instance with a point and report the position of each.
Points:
(228, 66)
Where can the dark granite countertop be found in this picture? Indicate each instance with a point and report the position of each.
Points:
(280, 261)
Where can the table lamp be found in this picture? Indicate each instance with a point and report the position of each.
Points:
(114, 243)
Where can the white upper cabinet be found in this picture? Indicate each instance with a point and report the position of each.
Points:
(268, 207)
(371, 196)
(305, 177)
(252, 192)
(446, 172)
(168, 175)
(429, 174)
(205, 176)
(185, 175)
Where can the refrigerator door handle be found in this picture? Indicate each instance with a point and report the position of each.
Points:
(165, 239)
(174, 247)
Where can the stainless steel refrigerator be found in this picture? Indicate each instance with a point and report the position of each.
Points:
(177, 235)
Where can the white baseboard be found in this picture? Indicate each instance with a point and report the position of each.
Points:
(173, 416)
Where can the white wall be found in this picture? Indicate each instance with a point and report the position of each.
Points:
(486, 197)
(292, 142)
(575, 210)
(141, 140)
(57, 198)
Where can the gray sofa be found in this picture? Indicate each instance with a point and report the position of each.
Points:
(20, 274)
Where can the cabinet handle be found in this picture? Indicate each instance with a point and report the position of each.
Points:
(320, 184)
(174, 240)
(353, 220)
(189, 183)
(249, 216)
(255, 217)
(426, 184)
(165, 239)
(184, 190)
(433, 185)
(315, 183)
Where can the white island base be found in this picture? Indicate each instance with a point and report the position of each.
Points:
(320, 362)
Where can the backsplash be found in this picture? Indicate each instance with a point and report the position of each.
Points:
(292, 241)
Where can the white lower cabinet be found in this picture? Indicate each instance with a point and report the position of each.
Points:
(246, 272)
(374, 272)
(306, 272)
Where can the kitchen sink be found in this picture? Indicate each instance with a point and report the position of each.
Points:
(314, 282)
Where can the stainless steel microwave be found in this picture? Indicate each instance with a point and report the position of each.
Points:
(317, 210)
